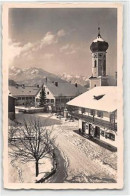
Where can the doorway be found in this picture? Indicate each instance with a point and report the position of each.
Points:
(97, 132)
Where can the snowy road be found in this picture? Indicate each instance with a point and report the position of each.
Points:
(85, 161)
(79, 159)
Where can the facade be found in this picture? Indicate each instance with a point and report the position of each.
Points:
(57, 94)
(11, 107)
(25, 95)
(98, 49)
(97, 113)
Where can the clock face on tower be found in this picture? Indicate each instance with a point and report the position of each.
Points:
(100, 55)
(95, 55)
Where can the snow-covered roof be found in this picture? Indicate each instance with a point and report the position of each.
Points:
(98, 39)
(104, 98)
(24, 91)
(65, 89)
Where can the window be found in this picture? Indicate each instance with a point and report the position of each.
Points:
(52, 100)
(48, 93)
(57, 100)
(100, 55)
(23, 98)
(100, 114)
(92, 112)
(83, 110)
(102, 133)
(47, 100)
(110, 136)
(95, 63)
(63, 100)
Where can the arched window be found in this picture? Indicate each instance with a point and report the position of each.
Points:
(95, 63)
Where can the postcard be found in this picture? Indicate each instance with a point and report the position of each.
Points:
(62, 95)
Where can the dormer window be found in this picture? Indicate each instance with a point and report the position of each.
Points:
(98, 97)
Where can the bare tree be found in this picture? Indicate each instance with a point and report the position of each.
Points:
(31, 142)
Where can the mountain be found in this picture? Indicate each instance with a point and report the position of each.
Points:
(34, 76)
(79, 79)
(31, 76)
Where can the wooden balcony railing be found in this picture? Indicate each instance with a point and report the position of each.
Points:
(96, 121)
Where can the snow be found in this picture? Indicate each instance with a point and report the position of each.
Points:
(84, 160)
(98, 39)
(108, 102)
(22, 171)
(34, 71)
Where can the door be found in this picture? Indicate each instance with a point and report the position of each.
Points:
(97, 132)
(83, 127)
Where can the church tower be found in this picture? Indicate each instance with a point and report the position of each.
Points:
(98, 48)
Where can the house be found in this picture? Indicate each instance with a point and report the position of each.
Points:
(11, 107)
(25, 95)
(59, 93)
(96, 111)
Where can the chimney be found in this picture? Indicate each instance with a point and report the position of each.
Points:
(56, 83)
(76, 85)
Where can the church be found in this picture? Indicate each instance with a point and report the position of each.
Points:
(96, 109)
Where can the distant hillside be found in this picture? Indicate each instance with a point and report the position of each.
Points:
(31, 76)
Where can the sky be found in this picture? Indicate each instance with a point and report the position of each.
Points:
(58, 39)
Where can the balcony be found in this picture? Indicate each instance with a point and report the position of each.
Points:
(96, 121)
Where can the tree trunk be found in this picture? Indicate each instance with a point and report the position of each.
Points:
(37, 168)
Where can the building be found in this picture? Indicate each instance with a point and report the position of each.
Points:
(57, 94)
(25, 95)
(97, 113)
(98, 49)
(11, 107)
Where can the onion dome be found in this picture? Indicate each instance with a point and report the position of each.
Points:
(99, 44)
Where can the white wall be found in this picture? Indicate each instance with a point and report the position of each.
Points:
(95, 81)
(48, 96)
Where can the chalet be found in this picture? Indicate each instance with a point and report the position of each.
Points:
(96, 111)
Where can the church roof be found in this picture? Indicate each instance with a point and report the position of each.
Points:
(104, 98)
(99, 44)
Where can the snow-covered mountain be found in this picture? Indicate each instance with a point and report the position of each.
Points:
(79, 79)
(34, 75)
(31, 75)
